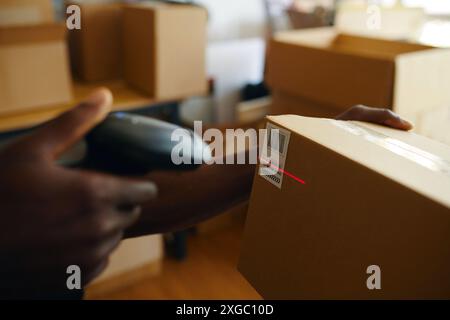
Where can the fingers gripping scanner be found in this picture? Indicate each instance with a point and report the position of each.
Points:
(133, 144)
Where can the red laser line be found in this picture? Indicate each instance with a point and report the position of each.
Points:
(284, 172)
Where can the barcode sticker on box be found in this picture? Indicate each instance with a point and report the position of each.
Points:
(273, 153)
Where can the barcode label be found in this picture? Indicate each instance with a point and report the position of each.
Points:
(273, 154)
(277, 146)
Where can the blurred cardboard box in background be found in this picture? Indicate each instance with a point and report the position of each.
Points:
(165, 48)
(339, 71)
(23, 12)
(284, 103)
(371, 196)
(35, 67)
(96, 48)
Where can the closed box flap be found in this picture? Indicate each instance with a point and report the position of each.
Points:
(32, 34)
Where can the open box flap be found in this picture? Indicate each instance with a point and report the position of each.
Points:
(339, 70)
(337, 79)
(332, 40)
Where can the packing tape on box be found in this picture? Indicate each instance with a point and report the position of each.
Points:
(419, 156)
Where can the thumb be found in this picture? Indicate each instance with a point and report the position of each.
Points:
(61, 133)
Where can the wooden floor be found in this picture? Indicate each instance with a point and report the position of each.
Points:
(208, 273)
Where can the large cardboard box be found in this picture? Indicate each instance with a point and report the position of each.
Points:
(96, 48)
(350, 198)
(34, 67)
(23, 12)
(164, 49)
(339, 70)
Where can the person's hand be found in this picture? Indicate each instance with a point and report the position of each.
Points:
(375, 115)
(53, 217)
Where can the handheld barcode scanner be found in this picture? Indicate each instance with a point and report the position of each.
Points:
(131, 144)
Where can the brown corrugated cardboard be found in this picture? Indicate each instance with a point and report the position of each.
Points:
(96, 48)
(164, 49)
(340, 70)
(371, 197)
(24, 12)
(34, 64)
(284, 103)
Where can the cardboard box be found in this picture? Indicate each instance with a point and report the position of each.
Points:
(164, 49)
(370, 197)
(96, 48)
(35, 67)
(284, 103)
(340, 71)
(24, 12)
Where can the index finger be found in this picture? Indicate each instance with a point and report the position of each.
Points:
(376, 115)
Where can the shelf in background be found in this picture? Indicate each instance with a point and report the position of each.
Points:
(125, 98)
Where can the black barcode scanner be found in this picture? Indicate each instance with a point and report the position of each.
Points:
(126, 143)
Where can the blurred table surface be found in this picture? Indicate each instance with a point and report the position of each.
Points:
(125, 98)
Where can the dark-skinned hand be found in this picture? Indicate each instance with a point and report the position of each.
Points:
(383, 117)
(53, 217)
